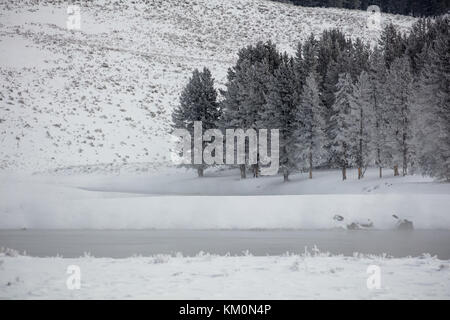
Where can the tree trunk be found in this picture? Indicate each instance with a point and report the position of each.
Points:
(255, 169)
(405, 160)
(200, 172)
(360, 156)
(344, 167)
(405, 146)
(396, 174)
(379, 162)
(310, 165)
(286, 175)
(242, 168)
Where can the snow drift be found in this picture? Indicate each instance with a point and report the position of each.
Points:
(140, 202)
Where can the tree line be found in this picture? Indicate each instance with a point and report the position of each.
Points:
(338, 103)
(416, 8)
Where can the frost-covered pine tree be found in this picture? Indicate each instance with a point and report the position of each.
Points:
(393, 44)
(335, 69)
(310, 133)
(234, 115)
(361, 54)
(280, 113)
(198, 102)
(247, 88)
(378, 76)
(305, 61)
(341, 122)
(432, 107)
(399, 93)
(362, 125)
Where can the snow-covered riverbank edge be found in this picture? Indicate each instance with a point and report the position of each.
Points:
(250, 212)
(307, 276)
(179, 200)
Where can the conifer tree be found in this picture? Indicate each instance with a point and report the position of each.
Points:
(399, 92)
(363, 122)
(378, 76)
(431, 116)
(247, 89)
(198, 102)
(280, 113)
(310, 133)
(341, 124)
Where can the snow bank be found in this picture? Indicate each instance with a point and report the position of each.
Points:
(234, 212)
(225, 277)
(47, 202)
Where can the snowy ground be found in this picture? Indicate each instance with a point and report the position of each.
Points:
(105, 93)
(225, 277)
(178, 200)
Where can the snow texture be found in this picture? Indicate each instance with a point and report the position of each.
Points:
(306, 276)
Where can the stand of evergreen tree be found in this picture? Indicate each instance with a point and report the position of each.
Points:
(416, 8)
(339, 103)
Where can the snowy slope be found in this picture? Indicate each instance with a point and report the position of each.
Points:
(316, 276)
(104, 94)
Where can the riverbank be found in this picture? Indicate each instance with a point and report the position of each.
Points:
(307, 276)
(176, 199)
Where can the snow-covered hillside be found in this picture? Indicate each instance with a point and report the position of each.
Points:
(104, 94)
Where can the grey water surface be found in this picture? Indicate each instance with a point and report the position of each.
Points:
(126, 243)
